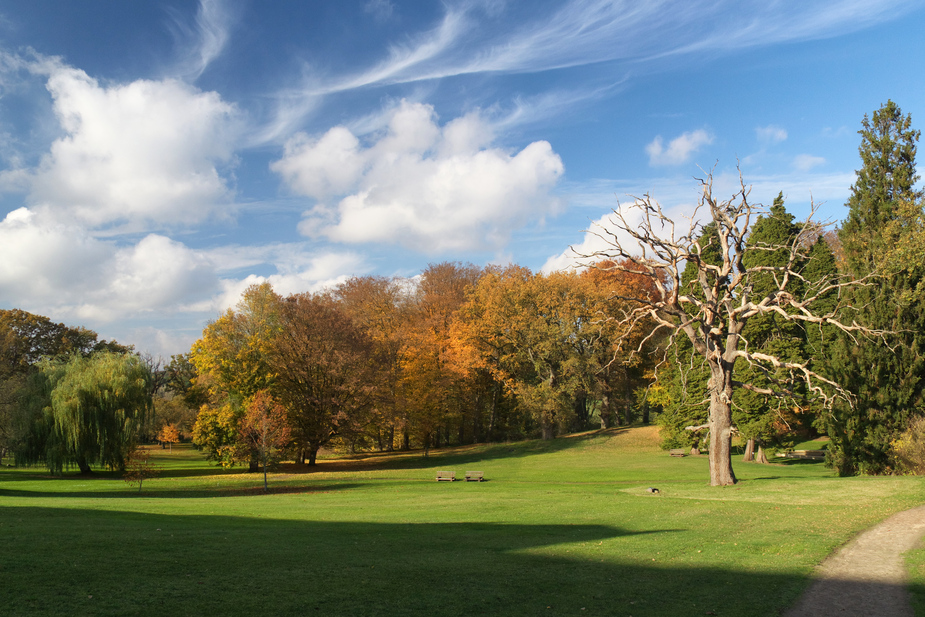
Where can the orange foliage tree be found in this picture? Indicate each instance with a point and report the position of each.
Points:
(324, 372)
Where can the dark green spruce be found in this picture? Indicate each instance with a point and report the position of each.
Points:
(887, 377)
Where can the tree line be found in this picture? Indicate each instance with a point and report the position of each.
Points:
(748, 322)
(460, 355)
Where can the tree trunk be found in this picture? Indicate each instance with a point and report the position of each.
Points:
(548, 430)
(605, 411)
(721, 473)
(83, 466)
(312, 456)
(494, 409)
(749, 451)
(761, 457)
(627, 400)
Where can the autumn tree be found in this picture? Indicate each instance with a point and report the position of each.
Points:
(323, 372)
(138, 467)
(712, 311)
(431, 392)
(555, 325)
(482, 345)
(86, 410)
(265, 428)
(622, 377)
(880, 237)
(169, 435)
(543, 337)
(231, 362)
(380, 307)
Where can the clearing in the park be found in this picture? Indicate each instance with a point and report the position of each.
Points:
(562, 527)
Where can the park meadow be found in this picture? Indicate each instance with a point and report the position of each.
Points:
(558, 527)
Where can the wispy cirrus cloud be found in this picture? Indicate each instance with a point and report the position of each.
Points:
(469, 40)
(205, 41)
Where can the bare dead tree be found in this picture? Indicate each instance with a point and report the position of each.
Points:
(714, 307)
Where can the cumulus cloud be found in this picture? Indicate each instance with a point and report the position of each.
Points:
(771, 134)
(298, 272)
(142, 154)
(806, 162)
(679, 150)
(597, 240)
(418, 184)
(49, 264)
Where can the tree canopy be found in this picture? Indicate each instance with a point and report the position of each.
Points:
(86, 411)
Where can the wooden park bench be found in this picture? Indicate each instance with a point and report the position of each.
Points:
(446, 476)
(677, 452)
(475, 476)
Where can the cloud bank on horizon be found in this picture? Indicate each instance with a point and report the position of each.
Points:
(147, 178)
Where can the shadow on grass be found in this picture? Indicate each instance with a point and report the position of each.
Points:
(225, 490)
(91, 562)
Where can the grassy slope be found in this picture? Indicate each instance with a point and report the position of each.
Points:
(560, 528)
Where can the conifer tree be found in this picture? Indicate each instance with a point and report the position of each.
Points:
(887, 380)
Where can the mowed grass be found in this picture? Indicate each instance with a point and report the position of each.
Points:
(560, 528)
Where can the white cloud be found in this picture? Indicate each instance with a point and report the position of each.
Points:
(678, 196)
(598, 239)
(680, 148)
(771, 134)
(62, 267)
(203, 43)
(142, 154)
(427, 187)
(298, 272)
(467, 40)
(805, 162)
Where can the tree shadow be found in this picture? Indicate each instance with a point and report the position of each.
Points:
(59, 561)
(254, 488)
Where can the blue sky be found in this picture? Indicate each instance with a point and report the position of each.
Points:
(158, 157)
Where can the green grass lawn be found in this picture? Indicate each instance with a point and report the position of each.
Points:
(560, 528)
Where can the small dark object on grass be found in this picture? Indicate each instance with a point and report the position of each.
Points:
(652, 490)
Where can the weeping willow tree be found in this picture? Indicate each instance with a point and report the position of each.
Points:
(85, 411)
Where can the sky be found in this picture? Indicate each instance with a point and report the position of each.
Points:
(157, 158)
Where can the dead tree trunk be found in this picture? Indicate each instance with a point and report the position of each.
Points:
(721, 473)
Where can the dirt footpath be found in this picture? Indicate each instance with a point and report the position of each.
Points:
(867, 577)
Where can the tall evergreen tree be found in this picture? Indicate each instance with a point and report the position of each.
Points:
(758, 417)
(887, 379)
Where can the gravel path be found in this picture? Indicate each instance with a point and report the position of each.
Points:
(867, 577)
